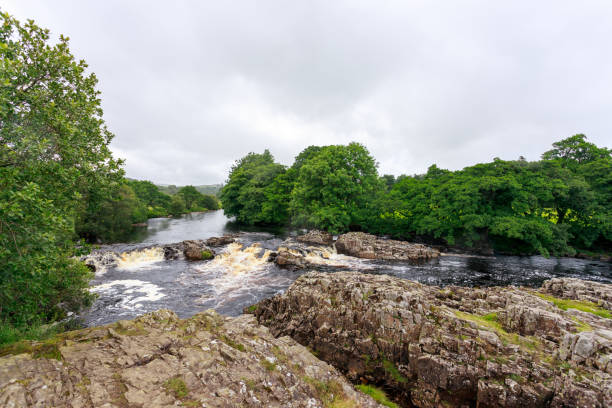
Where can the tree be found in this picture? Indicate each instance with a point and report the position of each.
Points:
(334, 187)
(575, 150)
(190, 195)
(177, 205)
(244, 193)
(208, 202)
(53, 153)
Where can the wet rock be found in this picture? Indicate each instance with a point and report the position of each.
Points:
(192, 250)
(159, 360)
(457, 346)
(290, 260)
(220, 241)
(316, 237)
(197, 250)
(369, 246)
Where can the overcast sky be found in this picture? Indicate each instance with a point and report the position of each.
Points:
(190, 86)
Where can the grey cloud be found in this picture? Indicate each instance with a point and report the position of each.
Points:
(188, 87)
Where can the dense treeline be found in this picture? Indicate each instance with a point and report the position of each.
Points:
(109, 218)
(58, 181)
(557, 205)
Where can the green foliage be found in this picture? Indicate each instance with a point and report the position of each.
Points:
(333, 188)
(377, 394)
(327, 187)
(177, 205)
(177, 387)
(248, 187)
(190, 195)
(553, 206)
(110, 218)
(53, 154)
(206, 254)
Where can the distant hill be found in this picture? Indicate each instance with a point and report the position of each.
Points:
(212, 189)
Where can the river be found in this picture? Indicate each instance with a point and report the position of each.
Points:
(142, 281)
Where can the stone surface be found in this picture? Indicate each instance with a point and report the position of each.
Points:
(190, 249)
(457, 346)
(220, 241)
(316, 237)
(369, 246)
(577, 289)
(159, 360)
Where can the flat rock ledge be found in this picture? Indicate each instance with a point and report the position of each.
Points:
(159, 360)
(362, 245)
(455, 346)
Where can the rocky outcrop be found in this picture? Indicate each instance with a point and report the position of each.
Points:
(316, 237)
(192, 250)
(369, 246)
(220, 241)
(457, 346)
(159, 360)
(296, 256)
(577, 289)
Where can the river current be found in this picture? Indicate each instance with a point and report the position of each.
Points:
(141, 281)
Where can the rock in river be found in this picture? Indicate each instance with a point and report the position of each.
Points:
(159, 360)
(316, 237)
(457, 346)
(369, 246)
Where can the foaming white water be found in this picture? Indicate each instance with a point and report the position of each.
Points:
(328, 256)
(134, 260)
(125, 261)
(238, 270)
(133, 292)
(237, 261)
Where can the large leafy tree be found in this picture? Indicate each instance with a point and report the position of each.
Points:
(575, 150)
(53, 154)
(334, 187)
(247, 188)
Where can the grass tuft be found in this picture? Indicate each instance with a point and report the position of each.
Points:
(392, 370)
(583, 306)
(177, 387)
(377, 394)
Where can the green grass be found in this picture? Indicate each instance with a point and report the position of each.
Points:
(268, 365)
(489, 321)
(252, 309)
(377, 394)
(177, 387)
(10, 334)
(232, 343)
(330, 393)
(580, 325)
(583, 306)
(130, 329)
(206, 254)
(392, 370)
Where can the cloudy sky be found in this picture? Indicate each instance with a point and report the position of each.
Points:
(190, 86)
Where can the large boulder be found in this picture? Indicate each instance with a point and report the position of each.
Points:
(159, 360)
(192, 250)
(316, 237)
(454, 346)
(362, 245)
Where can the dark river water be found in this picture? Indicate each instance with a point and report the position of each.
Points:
(141, 281)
